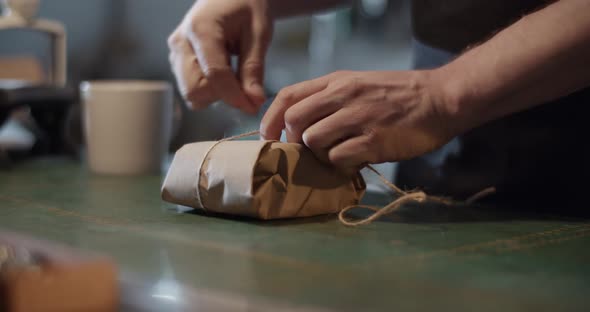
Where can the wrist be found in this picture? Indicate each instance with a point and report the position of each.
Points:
(455, 100)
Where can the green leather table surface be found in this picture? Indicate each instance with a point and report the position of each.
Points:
(424, 258)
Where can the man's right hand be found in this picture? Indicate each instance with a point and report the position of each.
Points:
(202, 45)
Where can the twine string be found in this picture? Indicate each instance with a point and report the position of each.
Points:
(404, 197)
(198, 195)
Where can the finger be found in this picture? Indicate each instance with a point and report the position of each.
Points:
(331, 131)
(273, 121)
(251, 67)
(191, 81)
(352, 154)
(214, 60)
(305, 113)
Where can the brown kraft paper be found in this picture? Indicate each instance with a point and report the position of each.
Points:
(258, 179)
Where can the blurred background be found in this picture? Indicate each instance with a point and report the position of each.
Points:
(127, 39)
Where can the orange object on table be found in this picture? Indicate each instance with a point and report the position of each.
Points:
(55, 282)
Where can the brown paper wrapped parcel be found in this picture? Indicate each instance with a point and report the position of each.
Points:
(259, 179)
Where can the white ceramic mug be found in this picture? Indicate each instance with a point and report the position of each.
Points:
(127, 125)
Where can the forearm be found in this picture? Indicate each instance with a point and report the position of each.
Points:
(286, 8)
(543, 56)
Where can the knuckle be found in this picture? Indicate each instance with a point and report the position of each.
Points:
(252, 68)
(339, 73)
(292, 120)
(370, 139)
(217, 72)
(201, 82)
(195, 103)
(364, 149)
(190, 93)
(354, 83)
(175, 59)
(200, 30)
(193, 88)
(340, 88)
(312, 140)
(200, 27)
(285, 96)
(252, 65)
(187, 94)
(174, 40)
(371, 147)
(348, 85)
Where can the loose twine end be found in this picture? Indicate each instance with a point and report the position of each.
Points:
(404, 198)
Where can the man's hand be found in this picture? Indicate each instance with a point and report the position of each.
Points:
(354, 118)
(201, 47)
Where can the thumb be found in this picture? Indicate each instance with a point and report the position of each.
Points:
(251, 68)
